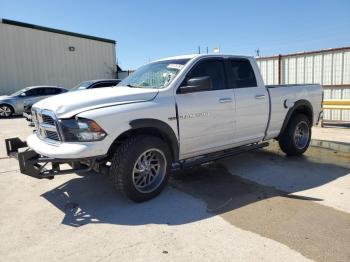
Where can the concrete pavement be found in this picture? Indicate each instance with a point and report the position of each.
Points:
(332, 137)
(258, 206)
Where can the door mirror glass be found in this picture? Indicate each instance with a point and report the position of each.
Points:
(197, 84)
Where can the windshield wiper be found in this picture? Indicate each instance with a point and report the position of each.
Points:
(128, 85)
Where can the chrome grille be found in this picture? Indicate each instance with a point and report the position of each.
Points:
(52, 135)
(46, 125)
(48, 120)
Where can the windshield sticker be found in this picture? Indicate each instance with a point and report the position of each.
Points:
(175, 66)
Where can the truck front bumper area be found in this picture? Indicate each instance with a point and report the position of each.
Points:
(36, 165)
(67, 150)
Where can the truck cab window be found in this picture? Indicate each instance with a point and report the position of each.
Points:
(242, 74)
(212, 68)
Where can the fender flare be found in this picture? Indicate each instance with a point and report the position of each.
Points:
(293, 109)
(163, 128)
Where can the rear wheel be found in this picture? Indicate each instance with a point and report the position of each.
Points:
(296, 138)
(6, 111)
(140, 167)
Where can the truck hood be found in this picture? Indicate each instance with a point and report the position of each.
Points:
(71, 103)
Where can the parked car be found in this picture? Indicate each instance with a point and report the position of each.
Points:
(170, 114)
(90, 84)
(14, 103)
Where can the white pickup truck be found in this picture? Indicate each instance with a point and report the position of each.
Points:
(172, 113)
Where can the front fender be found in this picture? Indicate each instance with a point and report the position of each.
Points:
(163, 128)
(11, 103)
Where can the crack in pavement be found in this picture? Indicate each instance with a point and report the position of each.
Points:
(8, 171)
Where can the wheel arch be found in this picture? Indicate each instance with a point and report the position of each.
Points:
(300, 107)
(10, 105)
(149, 126)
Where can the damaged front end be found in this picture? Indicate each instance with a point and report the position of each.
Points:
(38, 166)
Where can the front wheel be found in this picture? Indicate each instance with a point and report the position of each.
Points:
(296, 138)
(140, 167)
(5, 111)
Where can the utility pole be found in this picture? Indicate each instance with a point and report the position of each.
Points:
(257, 52)
(207, 50)
(199, 49)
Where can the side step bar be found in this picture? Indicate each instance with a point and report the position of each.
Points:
(187, 163)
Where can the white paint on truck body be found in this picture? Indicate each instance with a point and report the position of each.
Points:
(206, 121)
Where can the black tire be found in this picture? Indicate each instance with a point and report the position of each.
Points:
(292, 142)
(6, 107)
(126, 159)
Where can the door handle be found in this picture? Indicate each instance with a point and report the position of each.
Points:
(260, 97)
(225, 100)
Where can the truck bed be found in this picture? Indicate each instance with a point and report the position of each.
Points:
(283, 97)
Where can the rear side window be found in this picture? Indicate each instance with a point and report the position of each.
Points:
(52, 91)
(32, 92)
(212, 68)
(242, 74)
(36, 92)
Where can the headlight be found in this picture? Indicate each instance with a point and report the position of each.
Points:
(81, 130)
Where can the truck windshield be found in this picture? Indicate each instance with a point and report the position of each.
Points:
(155, 75)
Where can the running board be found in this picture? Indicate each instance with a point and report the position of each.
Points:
(191, 162)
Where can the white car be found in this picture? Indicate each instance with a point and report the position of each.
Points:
(172, 113)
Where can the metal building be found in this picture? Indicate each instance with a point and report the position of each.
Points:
(329, 67)
(35, 55)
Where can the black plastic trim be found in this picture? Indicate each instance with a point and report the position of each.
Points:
(270, 112)
(191, 162)
(163, 128)
(291, 110)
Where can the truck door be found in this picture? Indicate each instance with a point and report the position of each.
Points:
(252, 102)
(206, 118)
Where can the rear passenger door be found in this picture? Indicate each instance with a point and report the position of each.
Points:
(206, 118)
(252, 102)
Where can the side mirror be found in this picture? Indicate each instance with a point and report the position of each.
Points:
(23, 94)
(197, 84)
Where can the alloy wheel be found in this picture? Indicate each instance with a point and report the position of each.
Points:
(149, 170)
(5, 111)
(301, 135)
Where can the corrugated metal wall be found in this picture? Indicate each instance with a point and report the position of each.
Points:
(34, 57)
(330, 68)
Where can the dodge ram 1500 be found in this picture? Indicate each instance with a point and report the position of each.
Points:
(169, 114)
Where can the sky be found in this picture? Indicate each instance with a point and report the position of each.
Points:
(149, 30)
